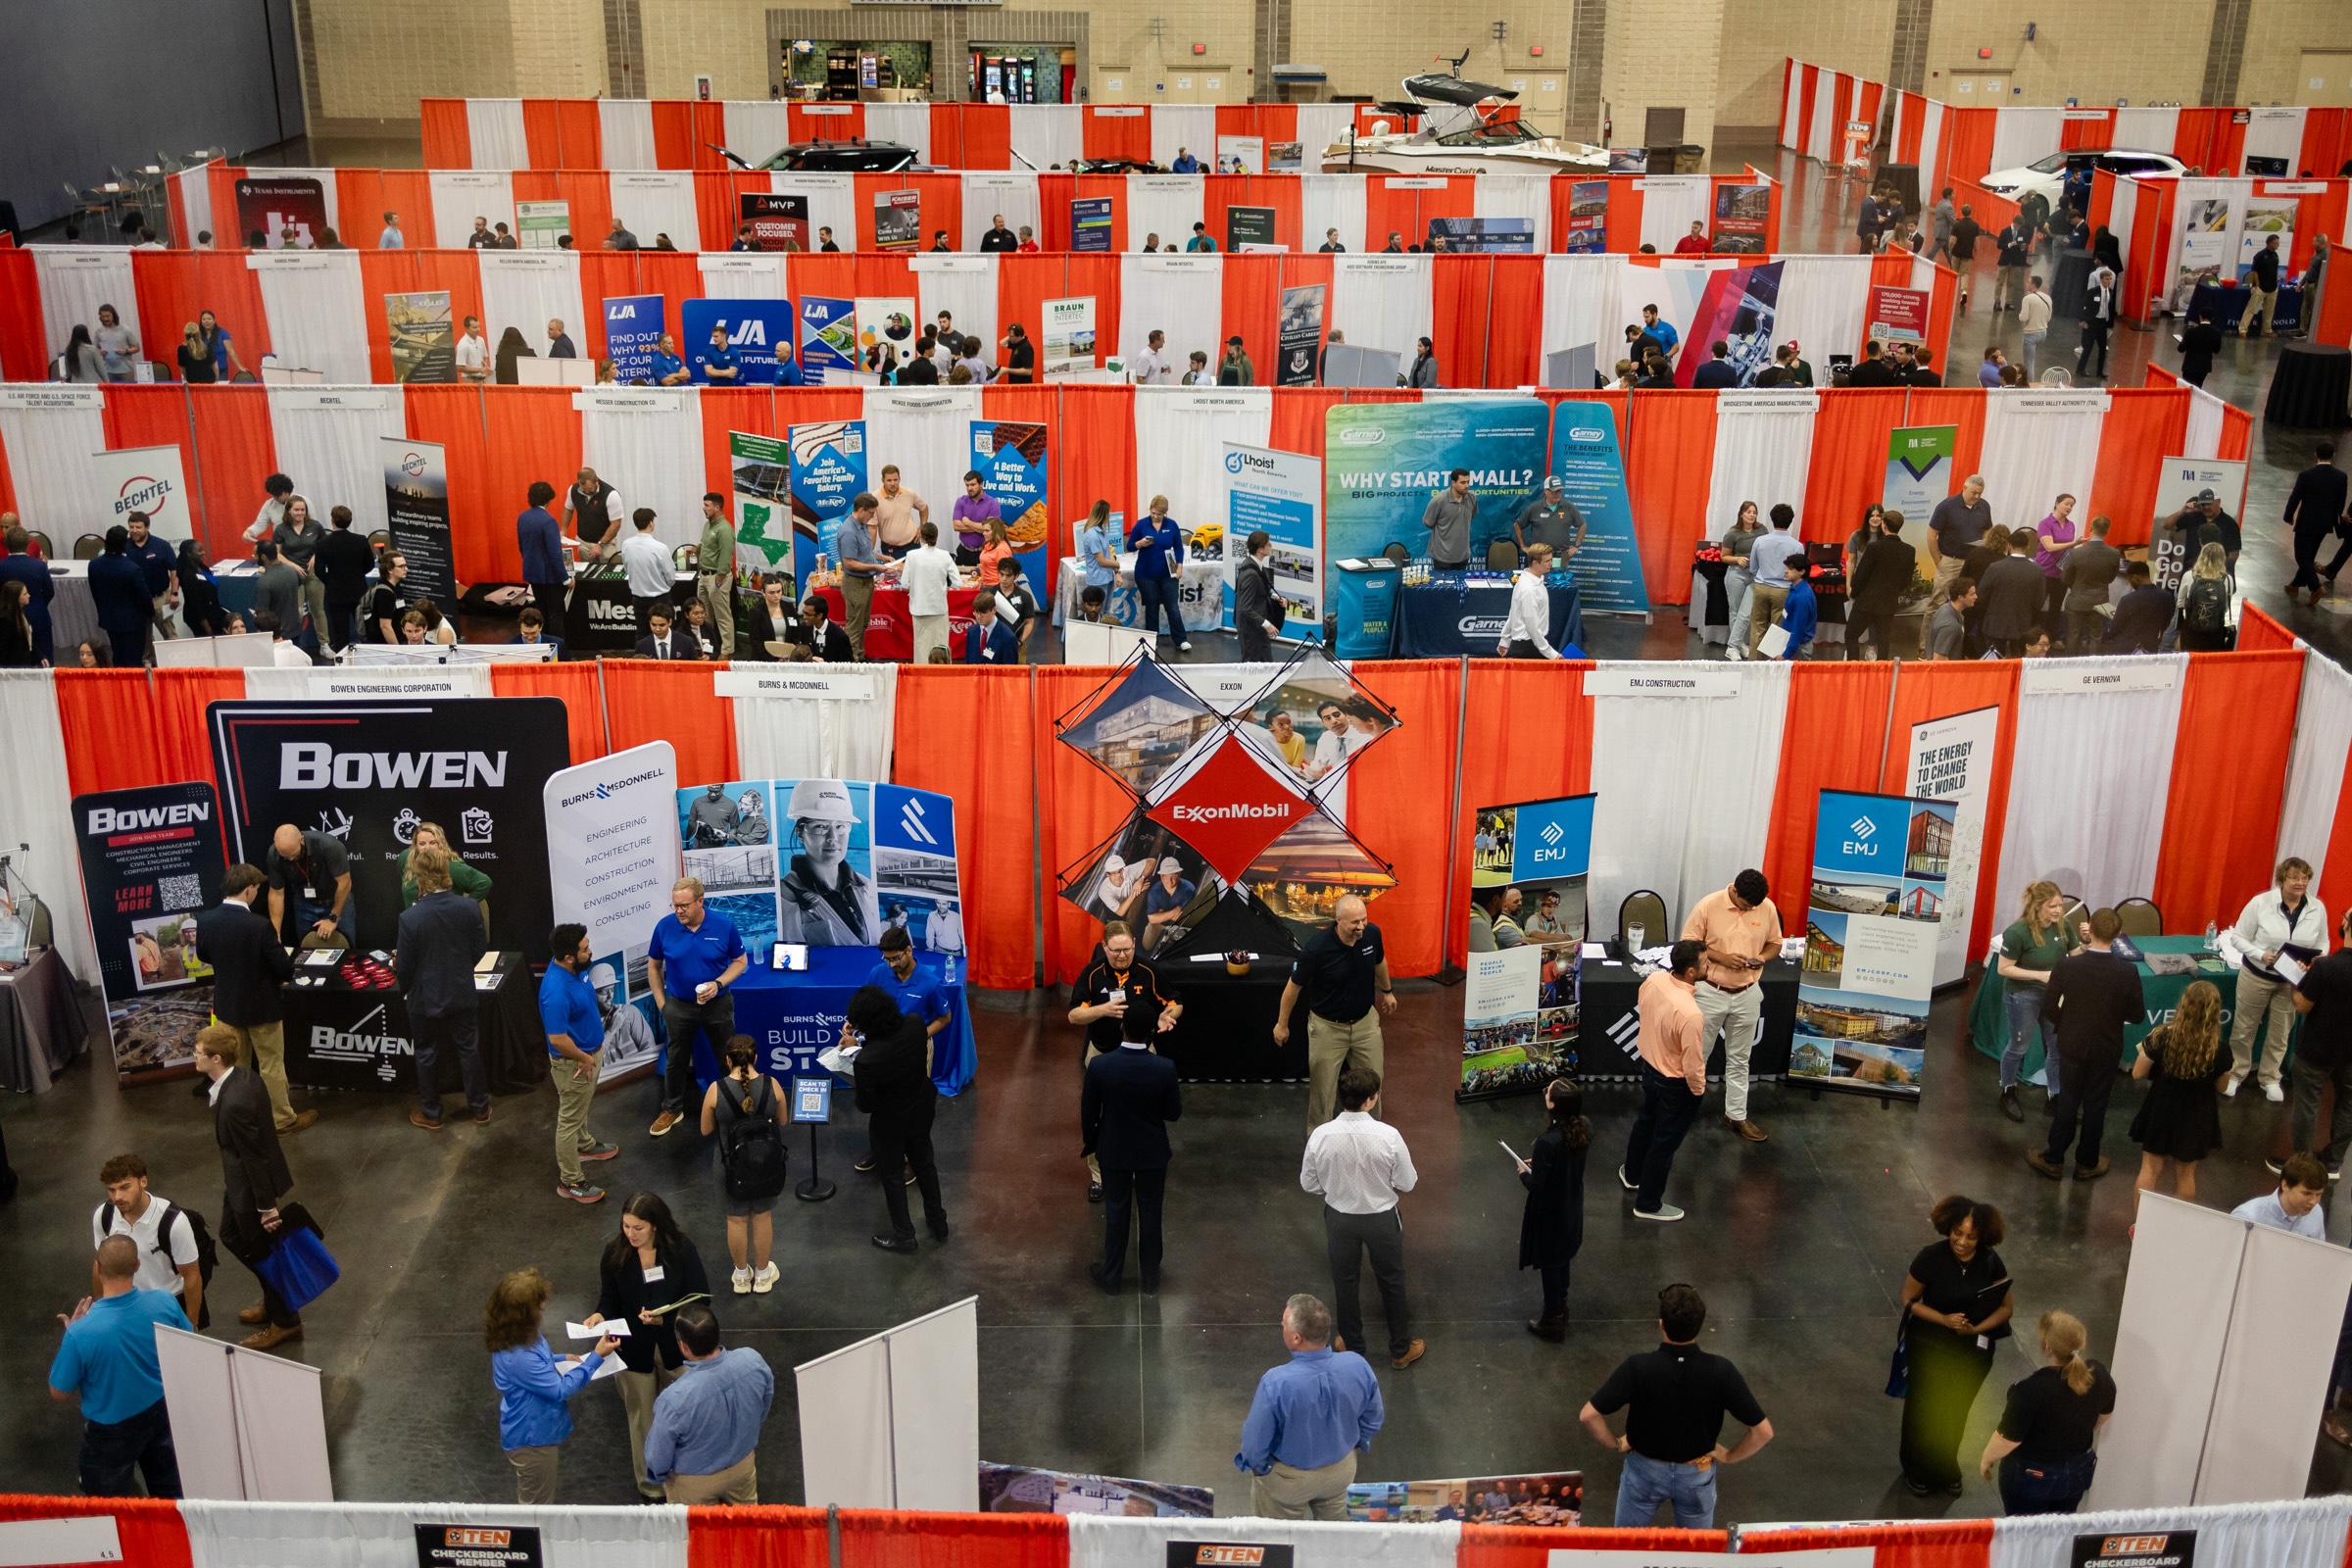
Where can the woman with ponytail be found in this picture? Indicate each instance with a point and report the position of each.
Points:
(2043, 1444)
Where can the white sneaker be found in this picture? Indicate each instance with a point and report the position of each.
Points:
(1664, 1215)
(743, 1282)
(1731, 651)
(765, 1280)
(2274, 1093)
(1183, 647)
(2230, 1089)
(1622, 1181)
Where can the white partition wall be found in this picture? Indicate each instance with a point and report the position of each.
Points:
(74, 280)
(657, 201)
(894, 1421)
(927, 431)
(494, 126)
(248, 1426)
(625, 128)
(459, 198)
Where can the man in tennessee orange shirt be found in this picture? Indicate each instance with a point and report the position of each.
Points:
(1674, 1081)
(1740, 929)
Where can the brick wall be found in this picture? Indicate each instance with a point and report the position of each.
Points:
(375, 61)
(1852, 36)
(2149, 51)
(559, 48)
(1663, 52)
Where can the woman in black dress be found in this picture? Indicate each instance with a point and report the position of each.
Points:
(650, 1264)
(893, 1069)
(2180, 1121)
(1958, 1297)
(2043, 1444)
(199, 594)
(1551, 1228)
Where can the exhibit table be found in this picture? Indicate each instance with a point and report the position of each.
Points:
(2310, 388)
(890, 627)
(41, 1024)
(1455, 613)
(601, 616)
(1608, 1028)
(1988, 1019)
(1226, 1032)
(792, 1014)
(346, 1032)
(2225, 305)
(1201, 593)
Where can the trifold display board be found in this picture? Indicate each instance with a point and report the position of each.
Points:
(2221, 1361)
(894, 1421)
(248, 1426)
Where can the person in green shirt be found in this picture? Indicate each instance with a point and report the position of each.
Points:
(2030, 947)
(463, 878)
(714, 573)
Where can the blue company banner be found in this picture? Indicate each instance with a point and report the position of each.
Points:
(632, 332)
(760, 331)
(1881, 867)
(1385, 462)
(1277, 491)
(1366, 606)
(828, 335)
(828, 470)
(1090, 223)
(1011, 459)
(1585, 453)
(1528, 868)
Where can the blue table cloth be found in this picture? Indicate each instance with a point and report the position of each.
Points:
(2224, 305)
(792, 1016)
(1454, 614)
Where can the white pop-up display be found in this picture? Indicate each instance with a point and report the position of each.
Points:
(894, 1421)
(247, 1426)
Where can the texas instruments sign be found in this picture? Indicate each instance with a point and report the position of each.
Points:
(369, 772)
(1231, 808)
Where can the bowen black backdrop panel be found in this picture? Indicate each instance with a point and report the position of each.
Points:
(369, 772)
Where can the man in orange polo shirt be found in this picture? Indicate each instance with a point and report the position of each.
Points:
(1740, 929)
(1674, 1081)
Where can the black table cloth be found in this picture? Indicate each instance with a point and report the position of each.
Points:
(41, 1024)
(342, 1037)
(2311, 386)
(1608, 1027)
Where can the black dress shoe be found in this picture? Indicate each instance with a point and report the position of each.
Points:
(1094, 1191)
(865, 1166)
(1919, 1488)
(1102, 1282)
(1152, 1285)
(894, 1244)
(2012, 1106)
(939, 1230)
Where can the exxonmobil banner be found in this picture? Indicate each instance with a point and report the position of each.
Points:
(149, 859)
(1231, 808)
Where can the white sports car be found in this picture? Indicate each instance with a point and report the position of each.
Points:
(1464, 132)
(2047, 175)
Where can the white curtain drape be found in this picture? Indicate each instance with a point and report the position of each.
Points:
(318, 313)
(1046, 134)
(74, 280)
(792, 737)
(908, 125)
(1381, 301)
(37, 808)
(49, 435)
(758, 129)
(1183, 296)
(626, 129)
(2315, 766)
(2152, 130)
(2122, 213)
(965, 287)
(742, 275)
(1580, 304)
(2243, 1534)
(1821, 305)
(647, 443)
(1763, 452)
(383, 1535)
(1686, 828)
(1792, 99)
(2113, 746)
(2039, 445)
(494, 127)
(1330, 201)
(1322, 126)
(1180, 436)
(657, 201)
(1671, 204)
(2020, 135)
(527, 289)
(1108, 1541)
(460, 196)
(1168, 205)
(832, 203)
(1931, 140)
(1821, 136)
(2204, 438)
(2273, 132)
(1527, 196)
(1183, 127)
(928, 433)
(985, 196)
(328, 442)
(195, 187)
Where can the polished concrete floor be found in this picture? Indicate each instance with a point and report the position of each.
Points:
(1799, 1245)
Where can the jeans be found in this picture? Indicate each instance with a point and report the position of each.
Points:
(1154, 594)
(714, 1021)
(111, 1449)
(2032, 346)
(1134, 1195)
(2082, 1088)
(1668, 1109)
(1737, 587)
(1643, 1484)
(2308, 1079)
(459, 1032)
(2045, 1487)
(1346, 1238)
(1735, 1013)
(2022, 1005)
(308, 915)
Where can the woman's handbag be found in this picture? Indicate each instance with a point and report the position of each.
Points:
(1899, 1366)
(299, 1267)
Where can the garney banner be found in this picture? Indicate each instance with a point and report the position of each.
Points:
(367, 772)
(1951, 760)
(612, 854)
(1880, 869)
(1592, 470)
(150, 860)
(1527, 865)
(1297, 359)
(1919, 475)
(1011, 459)
(425, 341)
(267, 206)
(633, 328)
(764, 530)
(416, 515)
(1278, 492)
(147, 479)
(1384, 463)
(828, 470)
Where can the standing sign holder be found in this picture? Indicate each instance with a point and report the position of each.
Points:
(813, 1103)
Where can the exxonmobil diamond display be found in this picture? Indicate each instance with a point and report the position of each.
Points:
(1230, 808)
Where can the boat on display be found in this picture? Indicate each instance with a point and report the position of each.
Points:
(1467, 127)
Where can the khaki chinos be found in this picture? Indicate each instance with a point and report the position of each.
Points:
(1332, 1048)
(1285, 1493)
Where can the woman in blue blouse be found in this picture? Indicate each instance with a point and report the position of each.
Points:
(1159, 569)
(226, 366)
(534, 1388)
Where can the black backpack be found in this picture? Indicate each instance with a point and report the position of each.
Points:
(208, 1256)
(2208, 605)
(752, 1154)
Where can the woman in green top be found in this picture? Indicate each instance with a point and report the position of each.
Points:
(2029, 949)
(463, 878)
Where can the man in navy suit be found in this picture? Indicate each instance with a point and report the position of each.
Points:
(441, 939)
(250, 968)
(1718, 371)
(666, 642)
(254, 1176)
(534, 632)
(1130, 1097)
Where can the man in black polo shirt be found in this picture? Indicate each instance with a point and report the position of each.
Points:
(316, 870)
(1115, 985)
(2324, 1051)
(1680, 1396)
(2091, 996)
(1343, 973)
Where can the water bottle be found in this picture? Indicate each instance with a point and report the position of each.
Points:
(951, 968)
(2213, 938)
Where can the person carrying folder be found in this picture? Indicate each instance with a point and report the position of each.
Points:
(1956, 1302)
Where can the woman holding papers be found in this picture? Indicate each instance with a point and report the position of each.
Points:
(649, 1271)
(1551, 1228)
(534, 1388)
(1956, 1302)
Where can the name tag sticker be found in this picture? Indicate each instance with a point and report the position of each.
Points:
(654, 1273)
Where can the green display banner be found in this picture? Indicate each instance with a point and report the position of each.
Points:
(761, 469)
(538, 225)
(1919, 475)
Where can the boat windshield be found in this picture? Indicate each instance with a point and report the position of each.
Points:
(1489, 133)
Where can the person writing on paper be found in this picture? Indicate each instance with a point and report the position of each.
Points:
(1551, 1225)
(534, 1388)
(649, 1265)
(1525, 631)
(1957, 1302)
(2285, 924)
(2042, 1445)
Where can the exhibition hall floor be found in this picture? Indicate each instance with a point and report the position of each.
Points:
(1799, 1245)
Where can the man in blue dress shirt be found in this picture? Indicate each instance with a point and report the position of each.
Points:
(694, 959)
(541, 539)
(668, 369)
(720, 367)
(704, 1445)
(1311, 1417)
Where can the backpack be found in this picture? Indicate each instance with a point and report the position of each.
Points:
(208, 1256)
(752, 1155)
(2208, 605)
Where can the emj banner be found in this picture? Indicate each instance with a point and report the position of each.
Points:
(612, 854)
(1527, 866)
(1281, 493)
(151, 859)
(1881, 867)
(1384, 463)
(1585, 455)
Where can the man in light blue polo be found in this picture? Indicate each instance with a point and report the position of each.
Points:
(704, 1445)
(1310, 1418)
(109, 1357)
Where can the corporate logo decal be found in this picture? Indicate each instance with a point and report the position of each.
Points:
(142, 493)
(473, 825)
(1627, 1032)
(1863, 827)
(1552, 833)
(608, 788)
(1230, 808)
(910, 817)
(136, 819)
(404, 825)
(316, 765)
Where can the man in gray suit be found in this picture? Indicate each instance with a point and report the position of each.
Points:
(440, 941)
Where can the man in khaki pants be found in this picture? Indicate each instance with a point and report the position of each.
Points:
(704, 1441)
(1310, 1419)
(575, 1034)
(1344, 974)
(249, 970)
(714, 570)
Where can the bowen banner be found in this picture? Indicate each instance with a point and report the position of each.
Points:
(416, 515)
(1528, 866)
(149, 859)
(633, 328)
(1881, 864)
(612, 842)
(368, 772)
(147, 479)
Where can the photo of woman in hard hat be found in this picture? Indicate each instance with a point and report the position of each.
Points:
(827, 898)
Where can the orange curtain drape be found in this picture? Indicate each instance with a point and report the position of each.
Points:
(2259, 633)
(1848, 468)
(1924, 691)
(1526, 1547)
(107, 717)
(1299, 417)
(158, 416)
(235, 453)
(1670, 461)
(1460, 305)
(574, 685)
(1095, 449)
(1389, 789)
(1514, 357)
(415, 271)
(24, 339)
(2141, 425)
(604, 275)
(448, 144)
(1118, 131)
(1078, 807)
(174, 286)
(542, 135)
(2237, 722)
(1960, 1543)
(1830, 739)
(1252, 302)
(877, 1538)
(2237, 426)
(1967, 149)
(646, 701)
(673, 137)
(183, 742)
(149, 1528)
(529, 432)
(579, 133)
(939, 711)
(1506, 760)
(481, 542)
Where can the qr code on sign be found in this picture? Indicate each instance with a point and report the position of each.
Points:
(178, 892)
